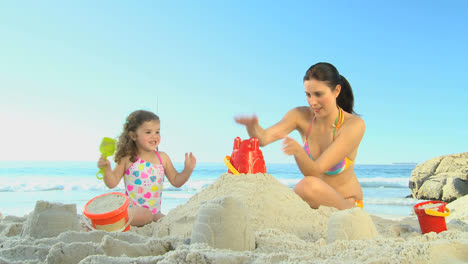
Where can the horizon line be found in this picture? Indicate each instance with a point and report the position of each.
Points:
(207, 162)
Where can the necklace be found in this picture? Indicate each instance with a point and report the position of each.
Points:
(338, 121)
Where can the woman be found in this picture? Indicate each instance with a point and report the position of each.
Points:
(331, 132)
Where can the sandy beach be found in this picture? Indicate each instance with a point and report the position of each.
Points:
(249, 218)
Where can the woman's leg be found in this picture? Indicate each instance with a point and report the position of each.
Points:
(316, 192)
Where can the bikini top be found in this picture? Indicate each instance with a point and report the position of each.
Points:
(342, 165)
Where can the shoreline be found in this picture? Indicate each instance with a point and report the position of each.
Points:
(396, 217)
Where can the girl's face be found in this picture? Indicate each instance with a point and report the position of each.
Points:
(320, 97)
(146, 136)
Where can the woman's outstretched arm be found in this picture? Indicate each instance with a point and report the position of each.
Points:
(273, 133)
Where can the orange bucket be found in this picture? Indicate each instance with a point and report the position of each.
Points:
(431, 216)
(109, 212)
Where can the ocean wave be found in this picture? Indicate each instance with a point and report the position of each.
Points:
(90, 185)
(289, 182)
(391, 201)
(40, 187)
(195, 185)
(377, 182)
(381, 182)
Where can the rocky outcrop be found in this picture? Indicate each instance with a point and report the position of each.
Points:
(443, 178)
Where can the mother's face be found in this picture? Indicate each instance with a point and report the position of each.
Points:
(320, 96)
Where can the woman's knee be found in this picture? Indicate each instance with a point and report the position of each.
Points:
(299, 188)
(308, 183)
(307, 187)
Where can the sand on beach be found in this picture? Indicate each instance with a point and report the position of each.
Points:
(249, 218)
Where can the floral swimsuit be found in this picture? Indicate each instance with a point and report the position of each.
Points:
(144, 184)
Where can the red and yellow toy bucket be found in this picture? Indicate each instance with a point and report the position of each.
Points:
(246, 157)
(109, 212)
(431, 216)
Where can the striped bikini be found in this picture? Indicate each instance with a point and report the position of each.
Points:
(345, 163)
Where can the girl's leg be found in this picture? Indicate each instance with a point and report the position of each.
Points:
(316, 192)
(141, 216)
(157, 216)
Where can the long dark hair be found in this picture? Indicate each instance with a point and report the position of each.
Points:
(126, 146)
(327, 73)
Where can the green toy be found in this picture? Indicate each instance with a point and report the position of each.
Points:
(107, 148)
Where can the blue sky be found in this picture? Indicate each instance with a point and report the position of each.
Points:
(71, 72)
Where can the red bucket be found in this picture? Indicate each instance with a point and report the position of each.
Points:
(431, 216)
(246, 157)
(116, 219)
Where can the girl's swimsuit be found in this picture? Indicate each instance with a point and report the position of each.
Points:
(144, 184)
(342, 165)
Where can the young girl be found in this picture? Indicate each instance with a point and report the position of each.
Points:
(143, 167)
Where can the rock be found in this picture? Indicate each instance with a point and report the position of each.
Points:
(223, 223)
(454, 188)
(432, 189)
(351, 224)
(50, 219)
(443, 178)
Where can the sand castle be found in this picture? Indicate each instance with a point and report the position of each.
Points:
(50, 219)
(223, 223)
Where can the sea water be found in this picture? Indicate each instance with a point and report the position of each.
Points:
(22, 183)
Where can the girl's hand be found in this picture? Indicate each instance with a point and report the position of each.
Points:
(248, 121)
(291, 146)
(190, 161)
(103, 162)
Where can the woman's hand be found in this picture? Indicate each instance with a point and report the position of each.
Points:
(103, 162)
(190, 161)
(291, 146)
(248, 121)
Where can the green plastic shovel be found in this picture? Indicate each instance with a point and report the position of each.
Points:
(107, 148)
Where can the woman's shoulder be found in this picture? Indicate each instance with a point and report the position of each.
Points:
(301, 109)
(355, 121)
(299, 116)
(301, 112)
